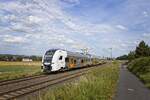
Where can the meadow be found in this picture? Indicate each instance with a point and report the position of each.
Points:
(99, 84)
(12, 70)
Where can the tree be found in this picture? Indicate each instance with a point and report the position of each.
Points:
(123, 57)
(142, 50)
(131, 55)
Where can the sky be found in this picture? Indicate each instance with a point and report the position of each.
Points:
(31, 27)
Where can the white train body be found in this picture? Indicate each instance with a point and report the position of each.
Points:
(57, 59)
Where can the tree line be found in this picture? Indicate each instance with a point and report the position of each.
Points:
(142, 50)
(9, 57)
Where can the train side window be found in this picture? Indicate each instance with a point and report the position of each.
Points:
(72, 60)
(67, 59)
(82, 61)
(75, 61)
(60, 58)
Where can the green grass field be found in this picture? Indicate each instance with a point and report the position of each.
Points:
(99, 84)
(12, 70)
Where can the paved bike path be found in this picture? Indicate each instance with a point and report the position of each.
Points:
(130, 87)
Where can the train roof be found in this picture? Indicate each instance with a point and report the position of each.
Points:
(53, 49)
(75, 54)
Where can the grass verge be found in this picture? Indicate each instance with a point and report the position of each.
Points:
(12, 70)
(141, 68)
(99, 84)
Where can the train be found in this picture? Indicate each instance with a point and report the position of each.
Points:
(59, 60)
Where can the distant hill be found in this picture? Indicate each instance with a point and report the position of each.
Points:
(10, 57)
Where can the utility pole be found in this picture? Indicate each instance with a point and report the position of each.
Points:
(110, 53)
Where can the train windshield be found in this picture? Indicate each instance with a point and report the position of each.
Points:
(48, 56)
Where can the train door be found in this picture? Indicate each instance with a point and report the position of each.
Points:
(71, 62)
(78, 62)
(75, 62)
(67, 62)
(82, 62)
(61, 61)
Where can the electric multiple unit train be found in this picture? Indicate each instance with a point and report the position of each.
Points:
(58, 59)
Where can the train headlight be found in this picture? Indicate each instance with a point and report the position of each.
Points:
(46, 63)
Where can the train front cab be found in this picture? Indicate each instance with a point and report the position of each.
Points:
(54, 60)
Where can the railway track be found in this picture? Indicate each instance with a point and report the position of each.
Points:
(5, 82)
(21, 87)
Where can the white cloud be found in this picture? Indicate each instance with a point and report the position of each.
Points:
(121, 27)
(71, 1)
(45, 17)
(13, 39)
(145, 13)
(42, 19)
(146, 35)
(45, 24)
(9, 17)
(34, 19)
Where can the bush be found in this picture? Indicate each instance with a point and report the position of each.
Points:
(141, 67)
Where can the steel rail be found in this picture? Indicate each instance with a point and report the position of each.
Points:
(38, 86)
(23, 90)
